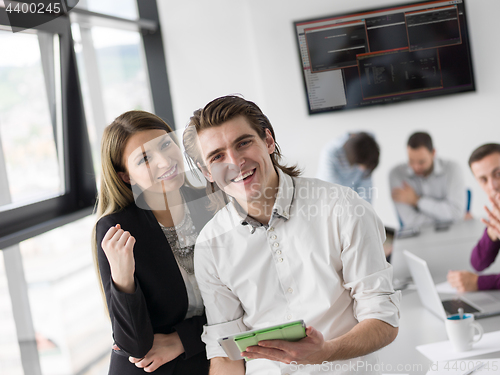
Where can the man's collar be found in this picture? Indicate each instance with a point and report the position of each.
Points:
(281, 207)
(285, 195)
(437, 169)
(438, 166)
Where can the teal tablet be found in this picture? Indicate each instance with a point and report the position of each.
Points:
(292, 331)
(235, 344)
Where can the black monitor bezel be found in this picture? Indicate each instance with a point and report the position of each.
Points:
(403, 98)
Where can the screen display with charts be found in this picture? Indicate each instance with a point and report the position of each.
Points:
(385, 55)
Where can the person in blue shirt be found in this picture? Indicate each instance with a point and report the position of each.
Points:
(350, 161)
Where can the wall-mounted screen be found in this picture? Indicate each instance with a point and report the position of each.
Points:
(385, 55)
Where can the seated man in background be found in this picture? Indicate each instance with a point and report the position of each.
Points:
(282, 248)
(428, 189)
(485, 165)
(349, 161)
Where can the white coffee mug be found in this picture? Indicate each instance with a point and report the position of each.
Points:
(460, 331)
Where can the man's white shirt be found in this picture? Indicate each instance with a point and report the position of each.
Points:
(320, 259)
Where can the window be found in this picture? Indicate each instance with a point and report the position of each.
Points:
(10, 356)
(113, 75)
(46, 169)
(117, 8)
(60, 83)
(69, 319)
(29, 105)
(122, 71)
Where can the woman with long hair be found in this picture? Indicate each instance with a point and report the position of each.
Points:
(148, 219)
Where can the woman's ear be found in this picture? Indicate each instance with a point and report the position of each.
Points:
(205, 172)
(125, 177)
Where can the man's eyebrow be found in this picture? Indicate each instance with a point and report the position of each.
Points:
(237, 140)
(494, 171)
(213, 153)
(243, 137)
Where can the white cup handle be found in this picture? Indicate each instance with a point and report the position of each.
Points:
(479, 331)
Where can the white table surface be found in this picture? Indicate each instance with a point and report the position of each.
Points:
(419, 326)
(443, 250)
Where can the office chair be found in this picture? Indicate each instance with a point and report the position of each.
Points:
(468, 215)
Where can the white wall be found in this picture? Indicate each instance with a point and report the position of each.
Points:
(221, 47)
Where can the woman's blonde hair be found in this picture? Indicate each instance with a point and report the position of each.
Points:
(114, 194)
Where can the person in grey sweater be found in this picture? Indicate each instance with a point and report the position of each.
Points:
(427, 190)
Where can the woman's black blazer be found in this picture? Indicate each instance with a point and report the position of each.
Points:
(160, 301)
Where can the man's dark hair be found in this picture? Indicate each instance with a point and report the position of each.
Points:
(223, 109)
(361, 148)
(420, 139)
(482, 151)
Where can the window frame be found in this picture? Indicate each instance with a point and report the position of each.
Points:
(22, 222)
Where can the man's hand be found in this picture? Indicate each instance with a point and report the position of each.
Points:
(365, 337)
(165, 349)
(309, 350)
(464, 281)
(406, 195)
(493, 221)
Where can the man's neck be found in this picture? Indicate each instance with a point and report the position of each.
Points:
(262, 209)
(429, 171)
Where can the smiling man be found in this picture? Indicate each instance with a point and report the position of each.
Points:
(484, 163)
(283, 248)
(428, 189)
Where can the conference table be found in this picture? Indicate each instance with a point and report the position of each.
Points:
(443, 250)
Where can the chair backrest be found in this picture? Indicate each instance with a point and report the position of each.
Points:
(469, 198)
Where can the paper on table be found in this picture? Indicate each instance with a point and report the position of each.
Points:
(443, 351)
(460, 367)
(446, 288)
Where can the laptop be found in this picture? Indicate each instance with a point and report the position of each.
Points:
(480, 304)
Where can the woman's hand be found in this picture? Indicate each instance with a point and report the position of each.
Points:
(165, 349)
(118, 246)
